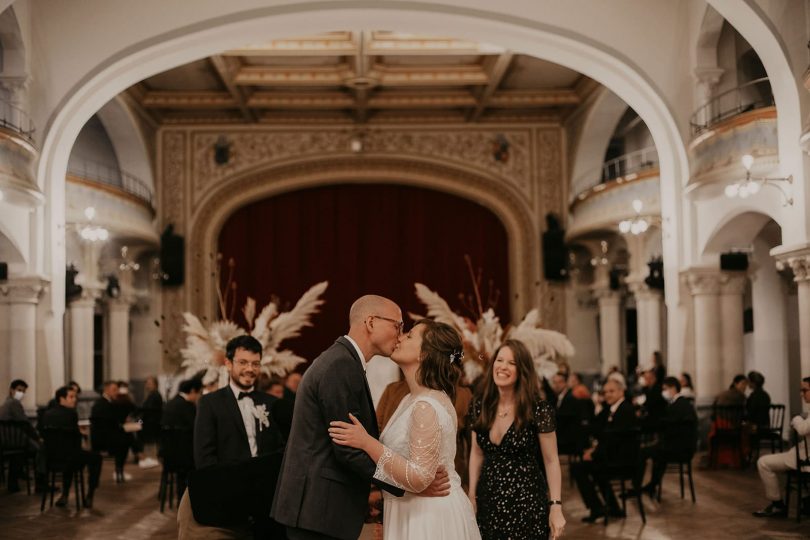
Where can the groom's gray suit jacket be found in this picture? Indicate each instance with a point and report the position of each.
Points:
(324, 487)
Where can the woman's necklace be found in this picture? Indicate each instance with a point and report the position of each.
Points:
(502, 413)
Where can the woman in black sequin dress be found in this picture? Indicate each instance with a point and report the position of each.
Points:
(513, 446)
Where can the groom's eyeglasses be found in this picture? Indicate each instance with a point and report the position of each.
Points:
(399, 325)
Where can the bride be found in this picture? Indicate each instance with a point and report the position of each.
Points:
(420, 436)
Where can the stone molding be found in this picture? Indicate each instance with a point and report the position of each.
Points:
(23, 290)
(733, 283)
(703, 282)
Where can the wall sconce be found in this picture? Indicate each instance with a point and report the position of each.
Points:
(750, 185)
(637, 225)
(601, 259)
(127, 264)
(91, 232)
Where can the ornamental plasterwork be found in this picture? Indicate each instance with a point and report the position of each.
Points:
(467, 147)
(733, 283)
(703, 282)
(22, 291)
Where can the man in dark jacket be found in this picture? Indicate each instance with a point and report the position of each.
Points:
(617, 420)
(177, 423)
(151, 410)
(237, 452)
(678, 435)
(63, 419)
(12, 410)
(758, 402)
(569, 416)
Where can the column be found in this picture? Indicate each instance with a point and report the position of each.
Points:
(610, 328)
(800, 264)
(705, 289)
(20, 297)
(118, 338)
(81, 339)
(707, 79)
(649, 302)
(732, 289)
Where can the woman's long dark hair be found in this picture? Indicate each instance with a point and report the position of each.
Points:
(440, 368)
(527, 389)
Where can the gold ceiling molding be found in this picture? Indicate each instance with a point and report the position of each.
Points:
(186, 100)
(534, 98)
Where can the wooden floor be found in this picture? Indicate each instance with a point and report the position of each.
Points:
(130, 511)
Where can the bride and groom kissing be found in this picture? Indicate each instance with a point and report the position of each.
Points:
(335, 451)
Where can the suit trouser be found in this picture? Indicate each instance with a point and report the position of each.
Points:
(189, 529)
(92, 460)
(769, 466)
(587, 476)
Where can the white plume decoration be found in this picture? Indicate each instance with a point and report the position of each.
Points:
(205, 347)
(482, 338)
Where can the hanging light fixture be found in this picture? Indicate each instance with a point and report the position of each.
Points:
(750, 185)
(91, 232)
(637, 225)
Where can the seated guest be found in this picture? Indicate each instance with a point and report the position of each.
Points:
(658, 366)
(151, 409)
(616, 417)
(758, 403)
(687, 390)
(568, 416)
(578, 390)
(12, 411)
(179, 415)
(772, 465)
(678, 433)
(654, 405)
(735, 395)
(73, 385)
(63, 417)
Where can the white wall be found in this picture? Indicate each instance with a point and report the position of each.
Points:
(93, 147)
(583, 330)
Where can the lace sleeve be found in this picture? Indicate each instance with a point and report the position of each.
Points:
(424, 441)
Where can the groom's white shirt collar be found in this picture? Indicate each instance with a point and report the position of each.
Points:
(359, 352)
(236, 390)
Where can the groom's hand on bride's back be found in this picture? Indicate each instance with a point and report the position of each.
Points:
(440, 487)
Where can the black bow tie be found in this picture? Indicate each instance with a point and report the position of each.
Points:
(244, 395)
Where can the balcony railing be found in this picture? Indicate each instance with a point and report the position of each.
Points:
(755, 94)
(630, 163)
(15, 119)
(112, 176)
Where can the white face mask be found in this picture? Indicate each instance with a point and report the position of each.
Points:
(748, 391)
(123, 391)
(18, 395)
(667, 395)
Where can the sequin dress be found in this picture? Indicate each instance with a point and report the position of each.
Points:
(512, 492)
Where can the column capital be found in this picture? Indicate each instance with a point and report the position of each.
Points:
(87, 298)
(607, 296)
(122, 303)
(708, 75)
(24, 290)
(733, 282)
(702, 281)
(797, 259)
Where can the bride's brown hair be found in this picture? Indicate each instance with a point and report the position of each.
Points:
(440, 368)
(527, 389)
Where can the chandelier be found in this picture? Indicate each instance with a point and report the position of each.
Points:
(90, 232)
(638, 224)
(127, 264)
(750, 185)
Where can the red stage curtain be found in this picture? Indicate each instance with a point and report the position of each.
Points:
(377, 239)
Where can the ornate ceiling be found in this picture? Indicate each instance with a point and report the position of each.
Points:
(359, 77)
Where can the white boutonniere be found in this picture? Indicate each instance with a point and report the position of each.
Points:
(261, 414)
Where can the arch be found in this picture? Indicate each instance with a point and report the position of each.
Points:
(127, 139)
(10, 251)
(597, 129)
(561, 44)
(751, 21)
(739, 227)
(508, 205)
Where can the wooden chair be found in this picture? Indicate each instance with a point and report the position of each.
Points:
(177, 454)
(15, 444)
(772, 433)
(801, 474)
(727, 433)
(61, 446)
(625, 466)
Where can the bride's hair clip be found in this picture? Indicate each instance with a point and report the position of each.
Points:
(456, 355)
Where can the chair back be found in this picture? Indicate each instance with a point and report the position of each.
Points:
(62, 446)
(106, 435)
(13, 436)
(802, 452)
(621, 449)
(728, 418)
(777, 418)
(177, 448)
(680, 438)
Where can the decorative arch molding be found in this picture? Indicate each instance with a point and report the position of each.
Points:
(741, 225)
(505, 202)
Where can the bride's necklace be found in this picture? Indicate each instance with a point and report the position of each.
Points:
(503, 413)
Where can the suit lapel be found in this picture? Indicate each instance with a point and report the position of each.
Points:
(236, 414)
(372, 427)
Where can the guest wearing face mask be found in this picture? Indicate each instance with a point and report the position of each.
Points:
(12, 411)
(678, 436)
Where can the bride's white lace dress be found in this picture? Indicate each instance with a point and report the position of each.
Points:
(420, 436)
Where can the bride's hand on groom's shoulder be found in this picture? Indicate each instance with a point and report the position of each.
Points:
(353, 435)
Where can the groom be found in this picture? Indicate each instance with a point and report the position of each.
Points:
(322, 492)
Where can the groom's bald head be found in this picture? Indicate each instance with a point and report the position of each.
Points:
(369, 305)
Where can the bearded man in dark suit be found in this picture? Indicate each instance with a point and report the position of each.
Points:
(237, 452)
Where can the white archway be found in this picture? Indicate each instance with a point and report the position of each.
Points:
(560, 44)
(128, 141)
